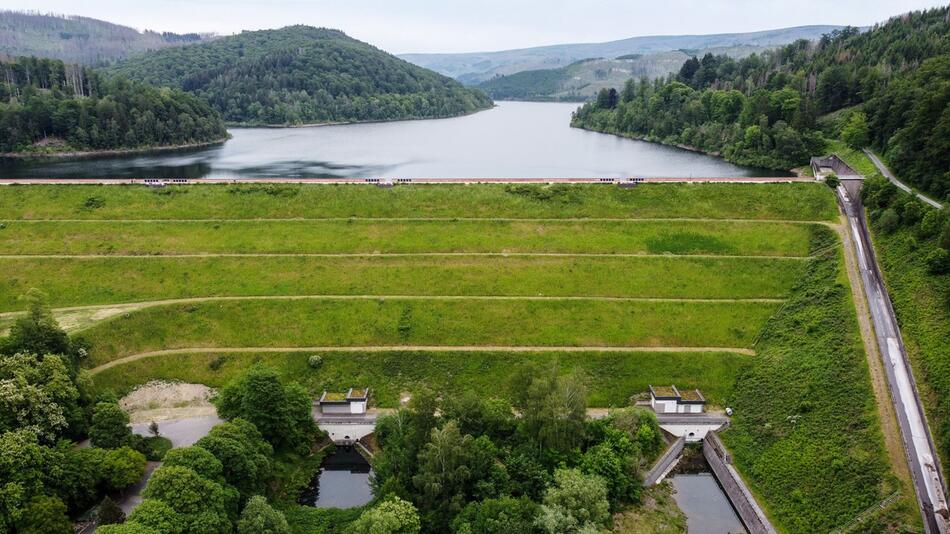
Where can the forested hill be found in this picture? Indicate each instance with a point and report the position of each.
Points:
(48, 107)
(301, 74)
(582, 80)
(476, 67)
(79, 39)
(888, 88)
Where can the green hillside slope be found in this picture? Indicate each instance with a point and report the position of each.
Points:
(582, 80)
(79, 39)
(301, 74)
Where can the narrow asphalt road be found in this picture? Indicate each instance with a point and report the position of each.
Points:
(918, 442)
(901, 185)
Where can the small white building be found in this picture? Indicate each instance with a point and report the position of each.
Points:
(353, 402)
(671, 400)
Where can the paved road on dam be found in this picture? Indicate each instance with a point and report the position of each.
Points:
(918, 442)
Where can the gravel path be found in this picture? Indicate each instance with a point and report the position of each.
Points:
(76, 318)
(447, 219)
(412, 348)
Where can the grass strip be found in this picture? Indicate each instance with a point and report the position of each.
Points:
(388, 322)
(798, 201)
(364, 236)
(610, 377)
(91, 281)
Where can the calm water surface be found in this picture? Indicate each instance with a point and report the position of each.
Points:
(515, 139)
(706, 507)
(342, 482)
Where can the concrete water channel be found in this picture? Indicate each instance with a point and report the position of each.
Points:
(708, 488)
(342, 482)
(702, 500)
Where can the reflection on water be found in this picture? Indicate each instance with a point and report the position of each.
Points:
(342, 482)
(698, 494)
(515, 139)
(705, 505)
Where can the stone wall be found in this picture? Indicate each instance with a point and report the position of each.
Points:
(664, 463)
(749, 511)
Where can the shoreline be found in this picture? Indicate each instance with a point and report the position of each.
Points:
(241, 125)
(92, 154)
(688, 148)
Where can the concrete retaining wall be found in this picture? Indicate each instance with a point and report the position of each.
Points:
(348, 432)
(665, 462)
(749, 511)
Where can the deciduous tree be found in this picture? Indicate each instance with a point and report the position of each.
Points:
(505, 514)
(203, 504)
(110, 426)
(198, 459)
(280, 413)
(259, 517)
(45, 515)
(576, 501)
(392, 516)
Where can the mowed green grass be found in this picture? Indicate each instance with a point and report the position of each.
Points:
(611, 378)
(92, 281)
(674, 259)
(374, 236)
(799, 201)
(398, 322)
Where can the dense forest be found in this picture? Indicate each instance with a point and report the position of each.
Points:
(912, 241)
(887, 88)
(48, 404)
(47, 106)
(300, 75)
(468, 465)
(540, 84)
(81, 40)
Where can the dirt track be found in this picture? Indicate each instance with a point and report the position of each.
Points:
(76, 318)
(412, 348)
(398, 255)
(442, 219)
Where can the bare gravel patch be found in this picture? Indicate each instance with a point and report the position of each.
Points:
(162, 401)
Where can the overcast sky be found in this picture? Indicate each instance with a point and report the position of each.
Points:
(400, 26)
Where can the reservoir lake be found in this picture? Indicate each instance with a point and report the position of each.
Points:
(514, 139)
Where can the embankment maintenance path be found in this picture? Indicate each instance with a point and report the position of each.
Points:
(413, 348)
(918, 442)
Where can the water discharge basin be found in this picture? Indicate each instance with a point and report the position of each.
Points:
(701, 498)
(341, 482)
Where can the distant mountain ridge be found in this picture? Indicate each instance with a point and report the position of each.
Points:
(583, 79)
(302, 75)
(475, 67)
(81, 40)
